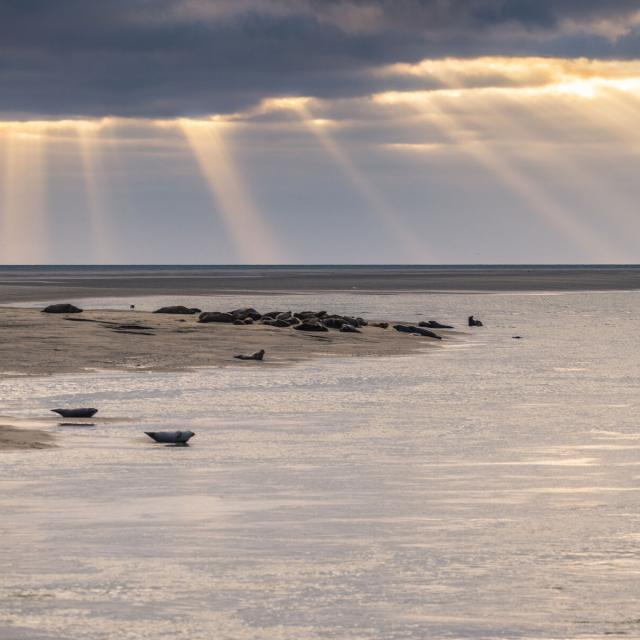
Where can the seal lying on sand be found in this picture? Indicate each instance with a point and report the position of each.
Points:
(434, 324)
(62, 308)
(420, 331)
(179, 310)
(258, 355)
(171, 437)
(76, 413)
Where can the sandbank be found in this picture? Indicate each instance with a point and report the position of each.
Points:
(35, 343)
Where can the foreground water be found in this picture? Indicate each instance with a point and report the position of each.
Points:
(488, 489)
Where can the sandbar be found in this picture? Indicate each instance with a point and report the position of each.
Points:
(35, 343)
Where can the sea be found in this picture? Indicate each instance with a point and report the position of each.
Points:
(486, 488)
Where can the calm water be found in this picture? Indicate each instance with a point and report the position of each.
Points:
(489, 489)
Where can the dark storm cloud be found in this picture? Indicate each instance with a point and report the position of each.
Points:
(164, 58)
(454, 14)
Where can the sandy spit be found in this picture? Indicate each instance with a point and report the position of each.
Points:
(35, 343)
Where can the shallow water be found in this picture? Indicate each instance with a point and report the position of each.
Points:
(484, 490)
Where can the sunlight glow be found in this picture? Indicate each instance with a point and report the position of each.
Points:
(24, 223)
(577, 86)
(536, 197)
(88, 134)
(282, 104)
(533, 73)
(407, 239)
(544, 130)
(245, 223)
(23, 218)
(522, 119)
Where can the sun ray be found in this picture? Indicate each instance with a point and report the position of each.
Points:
(406, 238)
(245, 224)
(88, 135)
(591, 187)
(439, 108)
(619, 111)
(537, 199)
(23, 220)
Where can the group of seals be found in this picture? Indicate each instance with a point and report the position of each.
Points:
(308, 321)
(319, 321)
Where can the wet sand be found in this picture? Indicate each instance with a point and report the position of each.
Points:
(58, 283)
(34, 343)
(18, 438)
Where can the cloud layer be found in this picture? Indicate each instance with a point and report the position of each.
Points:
(170, 58)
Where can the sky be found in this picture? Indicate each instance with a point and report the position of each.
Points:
(319, 131)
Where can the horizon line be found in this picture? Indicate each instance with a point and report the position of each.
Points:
(327, 265)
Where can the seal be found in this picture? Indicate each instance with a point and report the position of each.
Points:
(76, 413)
(258, 355)
(171, 437)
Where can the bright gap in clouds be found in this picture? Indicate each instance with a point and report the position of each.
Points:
(24, 220)
(94, 175)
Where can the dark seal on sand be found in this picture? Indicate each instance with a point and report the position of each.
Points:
(171, 437)
(434, 324)
(62, 308)
(310, 326)
(179, 309)
(349, 328)
(416, 331)
(247, 313)
(258, 355)
(216, 316)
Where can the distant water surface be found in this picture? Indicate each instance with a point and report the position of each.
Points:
(488, 489)
(37, 283)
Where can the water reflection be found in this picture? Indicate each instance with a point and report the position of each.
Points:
(76, 424)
